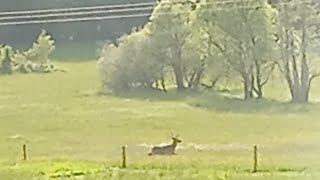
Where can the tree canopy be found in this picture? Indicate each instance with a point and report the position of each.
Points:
(200, 41)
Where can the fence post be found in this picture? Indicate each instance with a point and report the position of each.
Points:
(24, 149)
(255, 159)
(124, 158)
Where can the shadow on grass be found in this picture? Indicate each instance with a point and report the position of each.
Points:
(217, 102)
(155, 95)
(74, 60)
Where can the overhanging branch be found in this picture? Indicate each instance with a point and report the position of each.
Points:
(268, 74)
(313, 77)
(279, 66)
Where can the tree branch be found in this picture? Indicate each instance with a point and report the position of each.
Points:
(268, 75)
(222, 50)
(213, 83)
(280, 68)
(315, 37)
(313, 77)
(219, 47)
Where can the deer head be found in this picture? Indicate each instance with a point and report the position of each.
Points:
(175, 138)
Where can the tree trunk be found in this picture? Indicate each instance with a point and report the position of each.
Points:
(196, 82)
(7, 63)
(163, 85)
(258, 89)
(179, 76)
(248, 89)
(199, 75)
(300, 96)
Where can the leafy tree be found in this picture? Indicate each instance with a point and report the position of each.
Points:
(240, 33)
(41, 49)
(141, 58)
(171, 30)
(6, 62)
(36, 59)
(131, 63)
(297, 36)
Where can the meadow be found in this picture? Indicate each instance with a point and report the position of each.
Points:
(74, 132)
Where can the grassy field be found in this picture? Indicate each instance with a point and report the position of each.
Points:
(72, 131)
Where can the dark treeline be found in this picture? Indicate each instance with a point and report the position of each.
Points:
(83, 36)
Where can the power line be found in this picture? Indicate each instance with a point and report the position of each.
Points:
(109, 17)
(96, 10)
(74, 19)
(82, 19)
(75, 13)
(132, 5)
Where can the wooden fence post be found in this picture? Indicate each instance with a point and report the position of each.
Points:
(24, 149)
(255, 159)
(124, 158)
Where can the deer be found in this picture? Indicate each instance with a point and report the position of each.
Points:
(167, 149)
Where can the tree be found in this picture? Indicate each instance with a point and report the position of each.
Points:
(131, 63)
(170, 28)
(208, 65)
(141, 58)
(6, 63)
(35, 59)
(240, 33)
(41, 49)
(298, 32)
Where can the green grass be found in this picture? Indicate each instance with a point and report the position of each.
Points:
(71, 130)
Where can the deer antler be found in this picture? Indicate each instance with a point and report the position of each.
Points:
(171, 134)
(174, 135)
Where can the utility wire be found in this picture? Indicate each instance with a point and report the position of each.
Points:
(75, 13)
(133, 5)
(108, 17)
(83, 19)
(75, 19)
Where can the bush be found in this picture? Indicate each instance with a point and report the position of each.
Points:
(36, 59)
(130, 64)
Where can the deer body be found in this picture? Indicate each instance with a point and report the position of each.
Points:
(165, 150)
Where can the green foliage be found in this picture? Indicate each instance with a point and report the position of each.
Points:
(239, 34)
(163, 44)
(171, 28)
(184, 38)
(36, 59)
(6, 62)
(200, 42)
(297, 35)
(130, 64)
(3, 51)
(41, 49)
